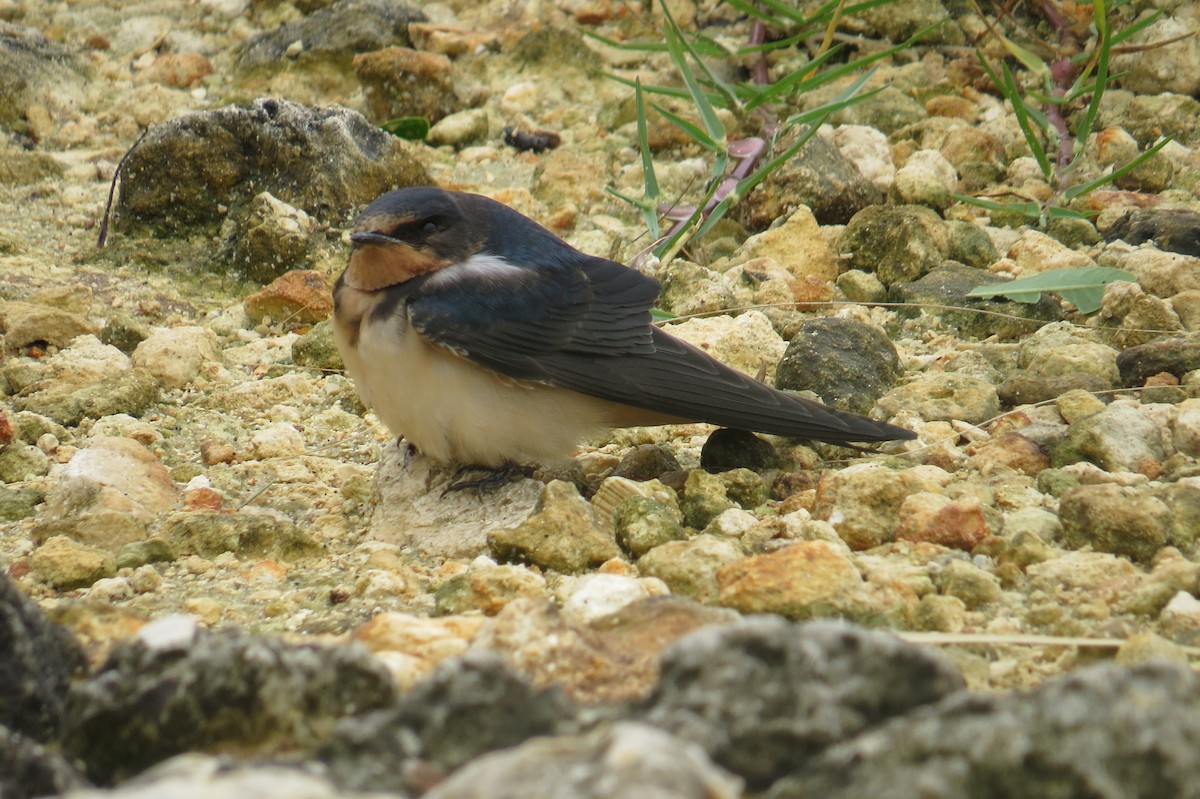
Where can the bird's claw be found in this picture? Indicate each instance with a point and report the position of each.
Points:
(495, 479)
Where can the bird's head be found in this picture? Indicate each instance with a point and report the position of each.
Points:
(408, 233)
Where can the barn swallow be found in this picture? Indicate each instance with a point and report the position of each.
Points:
(482, 338)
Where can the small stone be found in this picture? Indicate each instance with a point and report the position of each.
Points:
(863, 502)
(646, 462)
(704, 496)
(945, 396)
(124, 331)
(1118, 438)
(401, 82)
(626, 758)
(896, 243)
(1036, 252)
(460, 129)
(316, 349)
(26, 323)
(595, 596)
(491, 588)
(940, 613)
(295, 298)
(689, 567)
(248, 533)
(642, 524)
(967, 582)
(20, 462)
(213, 451)
(175, 356)
(1180, 619)
(65, 564)
(936, 519)
(177, 70)
(804, 580)
(278, 440)
(729, 449)
(564, 533)
(849, 364)
(1117, 519)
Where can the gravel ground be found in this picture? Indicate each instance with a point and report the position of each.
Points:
(176, 436)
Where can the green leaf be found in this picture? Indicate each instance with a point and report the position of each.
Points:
(411, 128)
(659, 315)
(1082, 287)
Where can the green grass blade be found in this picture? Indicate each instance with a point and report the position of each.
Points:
(1028, 209)
(664, 91)
(786, 13)
(1117, 174)
(690, 128)
(1135, 28)
(800, 83)
(1103, 51)
(649, 179)
(1007, 86)
(712, 124)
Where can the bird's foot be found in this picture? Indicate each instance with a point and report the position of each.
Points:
(410, 449)
(496, 477)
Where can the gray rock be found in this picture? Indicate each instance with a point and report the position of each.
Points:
(889, 111)
(468, 707)
(849, 364)
(646, 462)
(1177, 355)
(897, 243)
(765, 696)
(1171, 229)
(28, 769)
(266, 238)
(1117, 439)
(198, 776)
(177, 688)
(1108, 730)
(729, 449)
(33, 70)
(331, 35)
(37, 661)
(949, 283)
(326, 161)
(820, 177)
(622, 760)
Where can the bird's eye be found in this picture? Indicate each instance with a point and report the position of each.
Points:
(429, 228)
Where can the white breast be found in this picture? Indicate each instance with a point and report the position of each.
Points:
(456, 411)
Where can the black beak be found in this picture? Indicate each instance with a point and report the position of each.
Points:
(364, 237)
